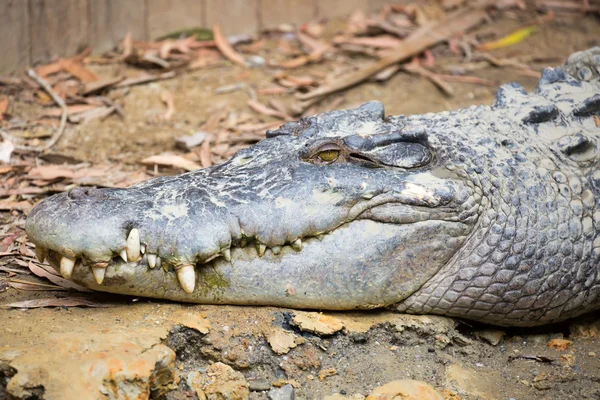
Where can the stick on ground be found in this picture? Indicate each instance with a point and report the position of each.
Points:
(423, 38)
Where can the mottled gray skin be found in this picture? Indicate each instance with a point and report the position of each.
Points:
(486, 213)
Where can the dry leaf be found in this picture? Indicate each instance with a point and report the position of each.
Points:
(171, 160)
(3, 107)
(48, 273)
(6, 149)
(50, 172)
(78, 70)
(15, 205)
(225, 48)
(54, 302)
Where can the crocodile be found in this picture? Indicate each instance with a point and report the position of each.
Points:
(489, 213)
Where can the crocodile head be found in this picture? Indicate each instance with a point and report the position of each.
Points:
(343, 210)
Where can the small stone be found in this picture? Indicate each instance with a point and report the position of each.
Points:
(283, 393)
(326, 372)
(567, 359)
(405, 390)
(220, 382)
(592, 354)
(393, 348)
(281, 341)
(317, 323)
(559, 344)
(259, 385)
(339, 396)
(492, 336)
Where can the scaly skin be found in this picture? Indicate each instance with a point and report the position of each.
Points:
(486, 213)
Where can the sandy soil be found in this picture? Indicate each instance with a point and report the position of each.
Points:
(140, 349)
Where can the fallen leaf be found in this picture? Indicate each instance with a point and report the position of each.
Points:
(263, 109)
(509, 40)
(225, 48)
(54, 302)
(171, 160)
(3, 107)
(559, 344)
(71, 110)
(6, 149)
(44, 272)
(380, 42)
(15, 205)
(78, 70)
(50, 172)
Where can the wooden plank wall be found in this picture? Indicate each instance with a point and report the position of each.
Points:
(37, 31)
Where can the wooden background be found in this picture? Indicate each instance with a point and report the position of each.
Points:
(37, 31)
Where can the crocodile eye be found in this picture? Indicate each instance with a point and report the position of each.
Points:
(328, 156)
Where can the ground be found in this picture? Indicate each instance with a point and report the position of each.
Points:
(138, 348)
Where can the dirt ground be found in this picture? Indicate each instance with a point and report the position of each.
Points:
(139, 348)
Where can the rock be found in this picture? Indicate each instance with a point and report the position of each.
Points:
(492, 336)
(559, 344)
(281, 341)
(476, 383)
(283, 393)
(259, 385)
(219, 382)
(326, 372)
(405, 390)
(338, 396)
(317, 323)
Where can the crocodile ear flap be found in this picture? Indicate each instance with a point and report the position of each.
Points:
(578, 147)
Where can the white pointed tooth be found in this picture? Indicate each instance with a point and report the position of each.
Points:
(227, 254)
(321, 236)
(187, 278)
(40, 253)
(260, 249)
(151, 260)
(133, 245)
(158, 262)
(297, 244)
(143, 248)
(99, 274)
(276, 249)
(66, 267)
(123, 255)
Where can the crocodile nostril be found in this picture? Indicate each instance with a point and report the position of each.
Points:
(85, 193)
(77, 193)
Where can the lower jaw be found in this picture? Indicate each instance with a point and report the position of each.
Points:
(358, 266)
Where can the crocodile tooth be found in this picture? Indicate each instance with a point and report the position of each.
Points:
(276, 249)
(143, 248)
(187, 278)
(151, 260)
(260, 249)
(123, 255)
(99, 274)
(297, 244)
(158, 262)
(133, 245)
(40, 253)
(320, 236)
(66, 267)
(227, 254)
